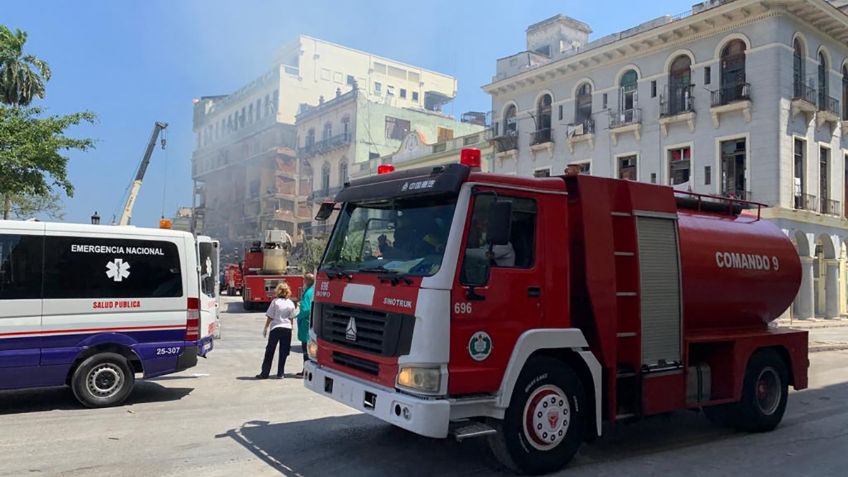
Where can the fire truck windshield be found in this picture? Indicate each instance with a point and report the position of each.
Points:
(405, 236)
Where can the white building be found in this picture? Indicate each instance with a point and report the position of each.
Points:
(744, 98)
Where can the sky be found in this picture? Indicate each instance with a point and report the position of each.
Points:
(133, 63)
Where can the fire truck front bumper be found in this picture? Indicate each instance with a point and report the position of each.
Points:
(427, 417)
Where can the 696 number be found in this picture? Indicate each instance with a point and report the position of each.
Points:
(462, 308)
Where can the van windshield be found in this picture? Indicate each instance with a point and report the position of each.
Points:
(395, 236)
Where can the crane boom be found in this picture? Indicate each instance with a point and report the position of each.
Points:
(126, 215)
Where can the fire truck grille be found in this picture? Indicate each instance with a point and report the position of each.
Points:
(358, 364)
(370, 331)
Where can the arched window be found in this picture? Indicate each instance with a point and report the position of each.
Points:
(510, 124)
(342, 171)
(799, 67)
(583, 103)
(680, 85)
(733, 72)
(250, 114)
(328, 131)
(310, 137)
(628, 98)
(346, 125)
(325, 179)
(823, 83)
(845, 91)
(543, 120)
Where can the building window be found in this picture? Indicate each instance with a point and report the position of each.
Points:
(733, 182)
(708, 73)
(444, 134)
(799, 168)
(708, 175)
(824, 181)
(337, 77)
(627, 167)
(542, 173)
(351, 81)
(844, 92)
(396, 128)
(325, 179)
(679, 165)
(653, 178)
(325, 74)
(378, 88)
(585, 167)
(543, 120)
(823, 81)
(415, 96)
(250, 114)
(310, 137)
(559, 114)
(328, 131)
(583, 103)
(403, 93)
(679, 86)
(346, 125)
(343, 171)
(798, 67)
(510, 124)
(654, 88)
(732, 74)
(390, 90)
(628, 98)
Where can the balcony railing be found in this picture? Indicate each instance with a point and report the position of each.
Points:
(506, 142)
(730, 94)
(580, 128)
(831, 207)
(677, 100)
(804, 92)
(806, 202)
(829, 104)
(625, 117)
(324, 145)
(542, 136)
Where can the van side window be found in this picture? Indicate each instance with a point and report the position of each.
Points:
(77, 267)
(20, 266)
(479, 256)
(207, 269)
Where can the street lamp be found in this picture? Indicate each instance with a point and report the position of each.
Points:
(95, 219)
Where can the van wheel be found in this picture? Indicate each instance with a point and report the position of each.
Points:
(543, 425)
(103, 380)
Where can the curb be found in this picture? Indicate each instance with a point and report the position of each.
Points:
(829, 347)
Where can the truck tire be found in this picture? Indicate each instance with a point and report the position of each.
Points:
(542, 428)
(102, 380)
(765, 391)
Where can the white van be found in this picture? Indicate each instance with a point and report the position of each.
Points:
(91, 306)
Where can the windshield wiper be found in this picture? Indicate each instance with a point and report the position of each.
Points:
(338, 273)
(387, 275)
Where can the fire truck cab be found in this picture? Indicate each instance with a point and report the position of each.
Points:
(529, 310)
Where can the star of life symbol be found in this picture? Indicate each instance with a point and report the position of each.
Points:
(117, 269)
(350, 332)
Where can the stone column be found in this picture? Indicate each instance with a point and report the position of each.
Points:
(831, 288)
(806, 294)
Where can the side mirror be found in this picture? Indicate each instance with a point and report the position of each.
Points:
(500, 221)
(325, 211)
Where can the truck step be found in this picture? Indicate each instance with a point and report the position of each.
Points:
(470, 429)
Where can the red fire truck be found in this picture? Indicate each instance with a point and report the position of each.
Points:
(529, 310)
(232, 279)
(264, 266)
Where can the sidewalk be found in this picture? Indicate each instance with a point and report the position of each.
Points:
(825, 335)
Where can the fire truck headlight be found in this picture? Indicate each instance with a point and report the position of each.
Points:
(312, 350)
(428, 380)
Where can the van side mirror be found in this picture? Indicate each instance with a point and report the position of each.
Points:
(500, 221)
(325, 211)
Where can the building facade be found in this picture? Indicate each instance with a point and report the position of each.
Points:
(248, 177)
(740, 98)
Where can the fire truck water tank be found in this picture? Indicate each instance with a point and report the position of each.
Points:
(737, 271)
(274, 261)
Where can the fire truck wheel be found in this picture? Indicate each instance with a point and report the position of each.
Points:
(764, 392)
(102, 380)
(542, 428)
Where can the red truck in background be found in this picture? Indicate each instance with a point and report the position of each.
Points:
(264, 266)
(233, 282)
(530, 310)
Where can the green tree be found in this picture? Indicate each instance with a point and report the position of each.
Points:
(28, 206)
(22, 76)
(313, 250)
(32, 164)
(32, 153)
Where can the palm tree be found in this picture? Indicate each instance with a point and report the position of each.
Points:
(22, 77)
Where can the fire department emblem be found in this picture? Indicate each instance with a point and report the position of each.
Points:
(480, 346)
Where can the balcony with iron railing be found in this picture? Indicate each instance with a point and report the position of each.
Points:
(623, 121)
(580, 131)
(325, 145)
(542, 136)
(831, 207)
(506, 142)
(828, 110)
(804, 98)
(806, 202)
(677, 105)
(730, 93)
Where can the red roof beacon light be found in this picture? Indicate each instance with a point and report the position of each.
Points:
(470, 157)
(385, 169)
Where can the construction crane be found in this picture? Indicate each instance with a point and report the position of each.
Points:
(126, 215)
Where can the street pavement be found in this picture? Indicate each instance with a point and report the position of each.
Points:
(215, 420)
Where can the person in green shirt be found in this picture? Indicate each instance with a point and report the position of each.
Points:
(303, 316)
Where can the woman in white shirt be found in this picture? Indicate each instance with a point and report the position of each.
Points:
(279, 319)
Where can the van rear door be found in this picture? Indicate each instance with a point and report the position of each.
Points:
(208, 253)
(21, 264)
